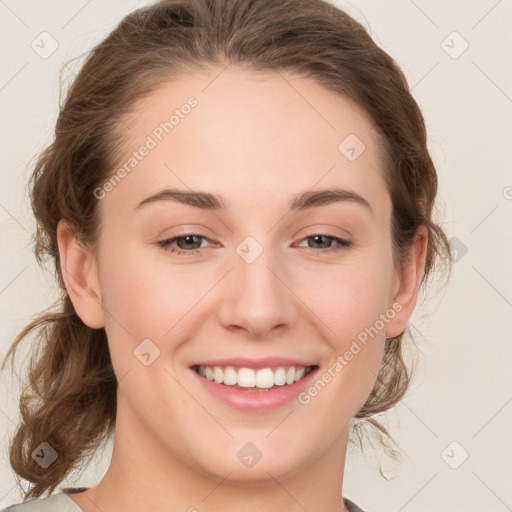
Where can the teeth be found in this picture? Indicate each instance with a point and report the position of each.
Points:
(280, 377)
(246, 377)
(218, 375)
(264, 378)
(230, 376)
(299, 374)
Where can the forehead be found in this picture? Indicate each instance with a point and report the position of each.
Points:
(248, 137)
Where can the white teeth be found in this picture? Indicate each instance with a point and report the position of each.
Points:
(264, 378)
(280, 377)
(290, 375)
(230, 376)
(299, 374)
(218, 375)
(246, 377)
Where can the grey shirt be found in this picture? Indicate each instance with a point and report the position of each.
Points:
(61, 502)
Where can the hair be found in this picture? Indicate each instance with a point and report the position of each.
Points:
(71, 396)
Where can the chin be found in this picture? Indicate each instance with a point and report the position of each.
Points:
(244, 465)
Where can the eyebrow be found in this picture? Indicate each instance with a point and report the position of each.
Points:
(299, 202)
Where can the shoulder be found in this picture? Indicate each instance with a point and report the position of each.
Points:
(351, 506)
(59, 502)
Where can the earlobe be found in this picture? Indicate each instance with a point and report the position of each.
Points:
(409, 281)
(80, 273)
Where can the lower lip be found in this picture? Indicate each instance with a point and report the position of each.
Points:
(256, 400)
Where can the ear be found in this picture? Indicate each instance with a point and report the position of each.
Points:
(79, 271)
(407, 283)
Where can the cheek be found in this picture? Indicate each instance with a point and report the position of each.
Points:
(352, 300)
(147, 298)
(351, 296)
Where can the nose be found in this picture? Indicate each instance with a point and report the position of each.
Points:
(256, 298)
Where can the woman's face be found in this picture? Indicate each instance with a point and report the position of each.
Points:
(257, 280)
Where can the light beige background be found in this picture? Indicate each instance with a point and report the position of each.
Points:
(463, 387)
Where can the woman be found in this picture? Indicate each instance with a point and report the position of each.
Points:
(238, 201)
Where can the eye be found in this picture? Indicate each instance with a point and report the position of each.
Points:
(190, 244)
(322, 240)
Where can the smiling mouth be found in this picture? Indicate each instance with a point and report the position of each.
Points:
(250, 379)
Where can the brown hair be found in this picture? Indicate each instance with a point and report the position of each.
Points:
(70, 399)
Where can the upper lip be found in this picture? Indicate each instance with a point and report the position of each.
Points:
(266, 362)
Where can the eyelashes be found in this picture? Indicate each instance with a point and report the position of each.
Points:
(170, 245)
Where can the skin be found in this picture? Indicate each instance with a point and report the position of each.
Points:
(175, 446)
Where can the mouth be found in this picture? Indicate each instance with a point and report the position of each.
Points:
(254, 379)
